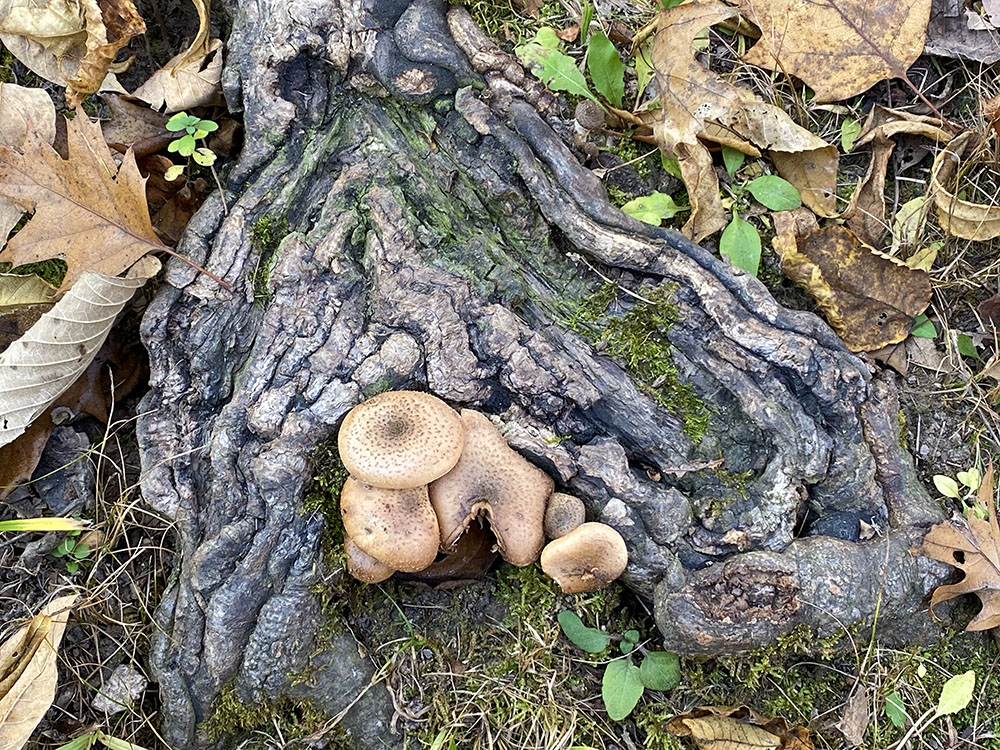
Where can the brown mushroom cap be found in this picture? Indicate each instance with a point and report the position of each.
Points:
(363, 566)
(400, 439)
(564, 513)
(396, 527)
(493, 480)
(588, 558)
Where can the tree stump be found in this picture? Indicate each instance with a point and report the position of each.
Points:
(438, 234)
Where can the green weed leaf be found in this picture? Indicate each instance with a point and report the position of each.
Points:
(671, 166)
(173, 172)
(956, 693)
(606, 68)
(204, 156)
(72, 566)
(207, 125)
(621, 688)
(181, 121)
(775, 193)
(116, 744)
(660, 670)
(895, 710)
(946, 486)
(556, 69)
(80, 743)
(589, 639)
(643, 67)
(923, 328)
(740, 243)
(652, 208)
(40, 524)
(966, 346)
(629, 641)
(732, 159)
(81, 552)
(850, 129)
(970, 478)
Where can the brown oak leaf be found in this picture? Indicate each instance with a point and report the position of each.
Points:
(87, 210)
(975, 550)
(738, 728)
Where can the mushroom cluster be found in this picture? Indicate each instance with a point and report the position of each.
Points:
(422, 473)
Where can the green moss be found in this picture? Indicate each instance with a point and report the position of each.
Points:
(503, 20)
(529, 595)
(323, 495)
(265, 236)
(237, 724)
(640, 157)
(53, 271)
(617, 196)
(652, 720)
(638, 340)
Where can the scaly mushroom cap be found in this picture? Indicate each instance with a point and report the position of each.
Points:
(588, 558)
(564, 513)
(400, 439)
(363, 566)
(493, 480)
(396, 527)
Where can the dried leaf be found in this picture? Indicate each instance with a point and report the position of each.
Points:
(24, 291)
(37, 368)
(729, 728)
(975, 549)
(131, 123)
(109, 28)
(854, 722)
(22, 111)
(949, 35)
(839, 48)
(908, 225)
(186, 81)
(698, 104)
(87, 210)
(870, 299)
(961, 218)
(28, 672)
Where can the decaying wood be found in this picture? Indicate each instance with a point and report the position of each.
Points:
(442, 236)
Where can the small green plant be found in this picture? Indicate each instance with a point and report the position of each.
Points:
(74, 550)
(623, 683)
(956, 694)
(190, 129)
(653, 208)
(923, 328)
(89, 740)
(963, 488)
(850, 129)
(740, 240)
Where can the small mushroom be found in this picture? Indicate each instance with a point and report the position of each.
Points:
(396, 527)
(586, 559)
(565, 513)
(492, 480)
(363, 566)
(400, 439)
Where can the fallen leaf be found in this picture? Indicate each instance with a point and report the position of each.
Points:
(24, 291)
(172, 203)
(28, 672)
(730, 728)
(854, 722)
(870, 299)
(67, 41)
(839, 48)
(200, 45)
(22, 111)
(86, 210)
(908, 225)
(698, 104)
(131, 123)
(961, 218)
(894, 355)
(975, 549)
(923, 259)
(949, 35)
(110, 26)
(37, 368)
(186, 82)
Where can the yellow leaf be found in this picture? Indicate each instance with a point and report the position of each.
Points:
(838, 47)
(732, 728)
(961, 218)
(23, 291)
(28, 673)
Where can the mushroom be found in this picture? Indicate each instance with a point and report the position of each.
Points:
(492, 480)
(396, 527)
(565, 513)
(586, 559)
(400, 439)
(363, 566)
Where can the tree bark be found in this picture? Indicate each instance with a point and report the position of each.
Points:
(443, 237)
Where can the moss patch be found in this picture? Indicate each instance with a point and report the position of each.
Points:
(53, 271)
(638, 340)
(265, 236)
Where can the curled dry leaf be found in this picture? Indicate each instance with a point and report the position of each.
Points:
(22, 111)
(87, 210)
(698, 104)
(70, 42)
(186, 82)
(28, 672)
(870, 299)
(24, 291)
(732, 728)
(961, 218)
(975, 549)
(37, 368)
(839, 48)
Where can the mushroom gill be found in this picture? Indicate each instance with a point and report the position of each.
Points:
(492, 480)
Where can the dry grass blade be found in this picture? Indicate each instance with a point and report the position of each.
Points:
(87, 210)
(37, 368)
(28, 673)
